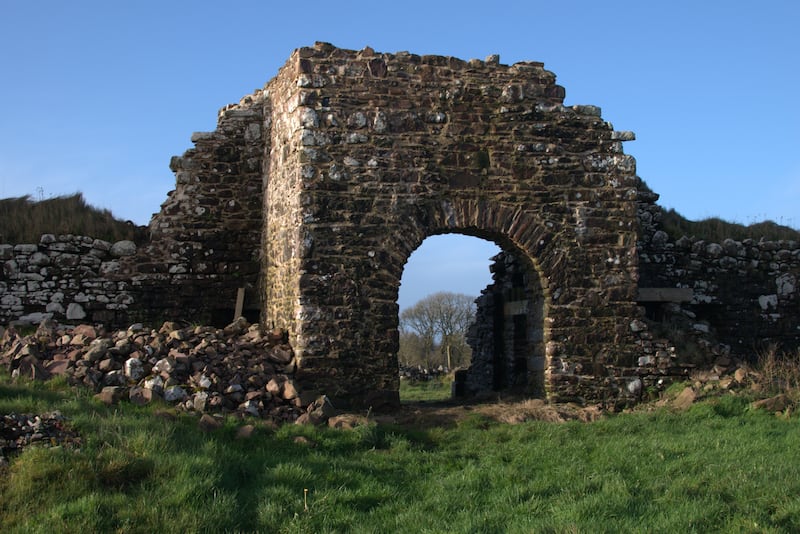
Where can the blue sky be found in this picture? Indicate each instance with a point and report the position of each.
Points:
(98, 95)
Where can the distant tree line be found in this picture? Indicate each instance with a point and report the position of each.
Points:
(433, 331)
(23, 220)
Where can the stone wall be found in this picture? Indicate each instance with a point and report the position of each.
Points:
(507, 350)
(206, 240)
(745, 293)
(312, 193)
(67, 278)
(507, 337)
(384, 150)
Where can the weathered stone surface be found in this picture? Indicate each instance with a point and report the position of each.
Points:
(310, 195)
(58, 367)
(140, 395)
(123, 248)
(134, 369)
(777, 403)
(685, 399)
(29, 367)
(174, 394)
(347, 421)
(320, 411)
(208, 423)
(110, 394)
(740, 375)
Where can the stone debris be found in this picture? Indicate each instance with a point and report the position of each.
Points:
(239, 369)
(246, 371)
(684, 399)
(18, 431)
(778, 403)
(207, 423)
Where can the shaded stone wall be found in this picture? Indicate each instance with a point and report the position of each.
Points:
(67, 278)
(745, 293)
(507, 337)
(206, 240)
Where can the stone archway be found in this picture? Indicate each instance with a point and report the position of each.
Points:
(372, 153)
(347, 160)
(516, 331)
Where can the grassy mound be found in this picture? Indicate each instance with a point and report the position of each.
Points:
(23, 220)
(717, 230)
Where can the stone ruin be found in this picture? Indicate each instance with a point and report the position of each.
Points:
(302, 208)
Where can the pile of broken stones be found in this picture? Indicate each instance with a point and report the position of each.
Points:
(240, 369)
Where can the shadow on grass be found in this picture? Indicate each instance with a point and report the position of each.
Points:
(27, 396)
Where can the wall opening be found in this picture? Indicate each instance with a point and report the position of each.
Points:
(441, 281)
(502, 348)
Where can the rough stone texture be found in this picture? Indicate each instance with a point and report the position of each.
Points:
(312, 193)
(18, 431)
(508, 352)
(372, 153)
(196, 369)
(745, 294)
(507, 336)
(206, 240)
(63, 277)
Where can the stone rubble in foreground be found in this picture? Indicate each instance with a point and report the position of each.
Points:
(237, 369)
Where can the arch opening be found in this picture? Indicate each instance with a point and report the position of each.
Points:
(500, 348)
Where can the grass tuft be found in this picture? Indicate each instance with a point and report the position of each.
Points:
(778, 373)
(716, 230)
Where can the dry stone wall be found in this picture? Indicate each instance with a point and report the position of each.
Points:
(744, 293)
(67, 278)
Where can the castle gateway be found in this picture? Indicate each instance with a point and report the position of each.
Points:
(313, 192)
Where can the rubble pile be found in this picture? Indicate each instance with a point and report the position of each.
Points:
(239, 369)
(18, 431)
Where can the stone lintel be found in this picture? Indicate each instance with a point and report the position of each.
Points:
(664, 294)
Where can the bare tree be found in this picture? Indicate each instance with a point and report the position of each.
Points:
(441, 318)
(418, 329)
(413, 350)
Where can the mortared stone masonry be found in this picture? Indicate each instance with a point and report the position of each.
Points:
(312, 193)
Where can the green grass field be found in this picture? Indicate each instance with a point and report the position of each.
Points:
(720, 467)
(428, 390)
